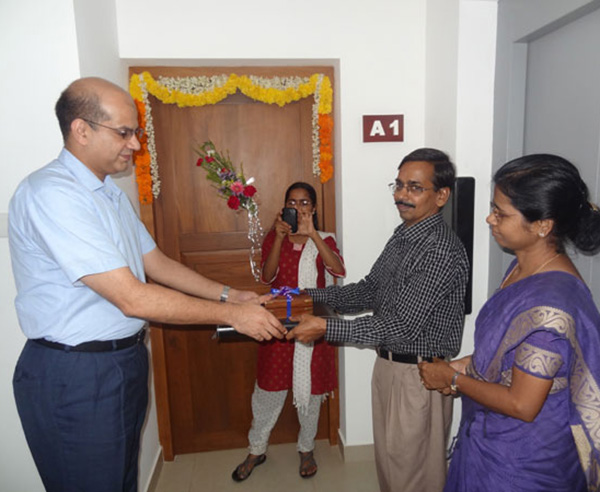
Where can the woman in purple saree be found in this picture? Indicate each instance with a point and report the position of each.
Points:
(531, 389)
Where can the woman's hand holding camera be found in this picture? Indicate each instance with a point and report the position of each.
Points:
(282, 228)
(306, 225)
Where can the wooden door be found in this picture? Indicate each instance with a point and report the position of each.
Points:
(203, 387)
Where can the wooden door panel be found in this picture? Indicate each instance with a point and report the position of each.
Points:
(210, 413)
(189, 243)
(275, 159)
(207, 384)
(229, 267)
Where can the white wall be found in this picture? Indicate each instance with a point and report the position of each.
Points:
(391, 56)
(98, 53)
(38, 58)
(475, 111)
(441, 74)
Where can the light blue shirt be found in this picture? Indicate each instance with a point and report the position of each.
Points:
(64, 223)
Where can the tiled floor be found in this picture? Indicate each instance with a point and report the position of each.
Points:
(209, 472)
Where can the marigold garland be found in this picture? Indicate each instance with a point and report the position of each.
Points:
(200, 91)
(326, 151)
(142, 160)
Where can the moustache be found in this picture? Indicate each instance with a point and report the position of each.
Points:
(406, 204)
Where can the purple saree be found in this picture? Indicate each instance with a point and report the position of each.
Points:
(546, 325)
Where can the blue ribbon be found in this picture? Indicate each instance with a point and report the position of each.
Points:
(288, 293)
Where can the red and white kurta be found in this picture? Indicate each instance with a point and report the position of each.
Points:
(275, 357)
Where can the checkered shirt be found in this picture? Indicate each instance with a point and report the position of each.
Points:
(416, 291)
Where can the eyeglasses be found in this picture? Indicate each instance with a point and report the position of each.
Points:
(125, 133)
(412, 189)
(497, 213)
(302, 203)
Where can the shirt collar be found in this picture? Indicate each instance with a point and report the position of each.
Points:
(421, 228)
(86, 177)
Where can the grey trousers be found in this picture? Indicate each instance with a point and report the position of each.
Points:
(410, 429)
(266, 408)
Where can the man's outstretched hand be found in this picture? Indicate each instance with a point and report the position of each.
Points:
(256, 322)
(309, 328)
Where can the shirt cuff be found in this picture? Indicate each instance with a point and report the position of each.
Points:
(318, 295)
(339, 330)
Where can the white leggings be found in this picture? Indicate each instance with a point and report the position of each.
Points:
(266, 407)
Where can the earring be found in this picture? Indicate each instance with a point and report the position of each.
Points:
(541, 234)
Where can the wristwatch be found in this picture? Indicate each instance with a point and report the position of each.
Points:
(225, 293)
(453, 385)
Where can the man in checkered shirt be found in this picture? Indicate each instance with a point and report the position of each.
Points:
(416, 291)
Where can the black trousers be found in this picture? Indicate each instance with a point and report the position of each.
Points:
(82, 413)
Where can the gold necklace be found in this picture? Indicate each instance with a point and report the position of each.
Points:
(546, 263)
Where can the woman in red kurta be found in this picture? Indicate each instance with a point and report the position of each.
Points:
(308, 258)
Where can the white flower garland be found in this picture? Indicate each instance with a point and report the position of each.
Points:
(316, 152)
(193, 85)
(151, 142)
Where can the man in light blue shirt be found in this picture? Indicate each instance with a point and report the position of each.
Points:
(80, 257)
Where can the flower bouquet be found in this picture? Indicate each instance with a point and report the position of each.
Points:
(232, 186)
(237, 190)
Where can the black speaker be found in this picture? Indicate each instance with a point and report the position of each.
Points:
(459, 214)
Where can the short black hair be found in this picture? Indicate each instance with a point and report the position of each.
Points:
(77, 103)
(444, 173)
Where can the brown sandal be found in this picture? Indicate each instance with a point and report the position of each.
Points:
(308, 465)
(244, 469)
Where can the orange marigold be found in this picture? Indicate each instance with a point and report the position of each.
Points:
(142, 158)
(326, 171)
(325, 147)
(325, 123)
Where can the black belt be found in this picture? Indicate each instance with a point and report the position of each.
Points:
(404, 358)
(97, 345)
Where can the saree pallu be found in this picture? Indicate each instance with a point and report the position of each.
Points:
(546, 325)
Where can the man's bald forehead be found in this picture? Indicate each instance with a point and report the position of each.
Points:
(95, 85)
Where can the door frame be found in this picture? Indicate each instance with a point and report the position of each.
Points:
(149, 215)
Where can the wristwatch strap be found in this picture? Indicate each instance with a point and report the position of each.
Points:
(225, 293)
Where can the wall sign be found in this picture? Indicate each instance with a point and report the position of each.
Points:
(383, 128)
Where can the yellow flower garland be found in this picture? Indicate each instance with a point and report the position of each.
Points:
(280, 91)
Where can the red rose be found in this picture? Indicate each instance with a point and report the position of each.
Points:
(209, 159)
(199, 162)
(249, 191)
(233, 202)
